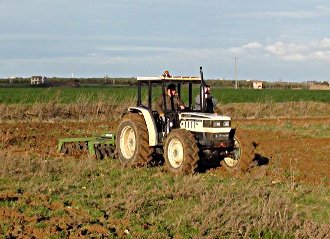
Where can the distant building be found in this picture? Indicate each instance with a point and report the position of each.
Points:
(38, 80)
(257, 84)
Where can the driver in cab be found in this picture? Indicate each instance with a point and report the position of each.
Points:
(173, 101)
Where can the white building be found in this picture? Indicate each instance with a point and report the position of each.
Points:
(38, 80)
(257, 84)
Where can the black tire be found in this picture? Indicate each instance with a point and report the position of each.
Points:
(132, 141)
(241, 158)
(181, 152)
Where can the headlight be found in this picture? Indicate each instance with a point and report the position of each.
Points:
(216, 124)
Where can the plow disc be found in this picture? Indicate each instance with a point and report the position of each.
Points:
(100, 147)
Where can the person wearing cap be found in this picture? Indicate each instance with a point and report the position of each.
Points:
(166, 74)
(210, 101)
(173, 101)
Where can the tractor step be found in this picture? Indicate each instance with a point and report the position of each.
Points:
(101, 146)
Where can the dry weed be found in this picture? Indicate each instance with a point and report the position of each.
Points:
(276, 110)
(110, 108)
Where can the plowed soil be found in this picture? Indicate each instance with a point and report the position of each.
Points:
(303, 155)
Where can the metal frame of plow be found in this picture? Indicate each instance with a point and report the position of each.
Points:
(108, 139)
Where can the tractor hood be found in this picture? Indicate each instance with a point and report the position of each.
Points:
(203, 116)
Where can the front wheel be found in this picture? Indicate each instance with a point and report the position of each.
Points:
(181, 152)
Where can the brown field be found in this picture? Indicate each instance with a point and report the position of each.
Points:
(291, 151)
(281, 150)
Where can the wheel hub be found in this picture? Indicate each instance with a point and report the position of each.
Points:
(233, 158)
(175, 153)
(127, 142)
(231, 161)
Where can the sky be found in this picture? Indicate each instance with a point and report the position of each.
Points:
(283, 40)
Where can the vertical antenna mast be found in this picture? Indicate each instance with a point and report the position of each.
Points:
(202, 92)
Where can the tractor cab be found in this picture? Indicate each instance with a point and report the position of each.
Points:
(180, 82)
(156, 90)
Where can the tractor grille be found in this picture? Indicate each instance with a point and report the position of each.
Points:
(213, 140)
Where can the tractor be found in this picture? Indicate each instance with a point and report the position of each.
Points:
(184, 137)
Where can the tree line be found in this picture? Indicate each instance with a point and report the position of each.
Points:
(131, 81)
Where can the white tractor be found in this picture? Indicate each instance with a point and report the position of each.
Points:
(184, 137)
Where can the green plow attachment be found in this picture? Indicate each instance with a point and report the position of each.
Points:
(100, 146)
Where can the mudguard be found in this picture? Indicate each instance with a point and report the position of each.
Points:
(150, 122)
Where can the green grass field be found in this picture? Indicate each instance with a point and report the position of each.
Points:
(94, 94)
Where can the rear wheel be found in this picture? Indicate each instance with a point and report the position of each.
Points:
(181, 152)
(133, 141)
(242, 154)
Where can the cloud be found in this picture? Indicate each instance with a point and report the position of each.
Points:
(321, 55)
(315, 50)
(282, 49)
(252, 45)
(318, 11)
(325, 43)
